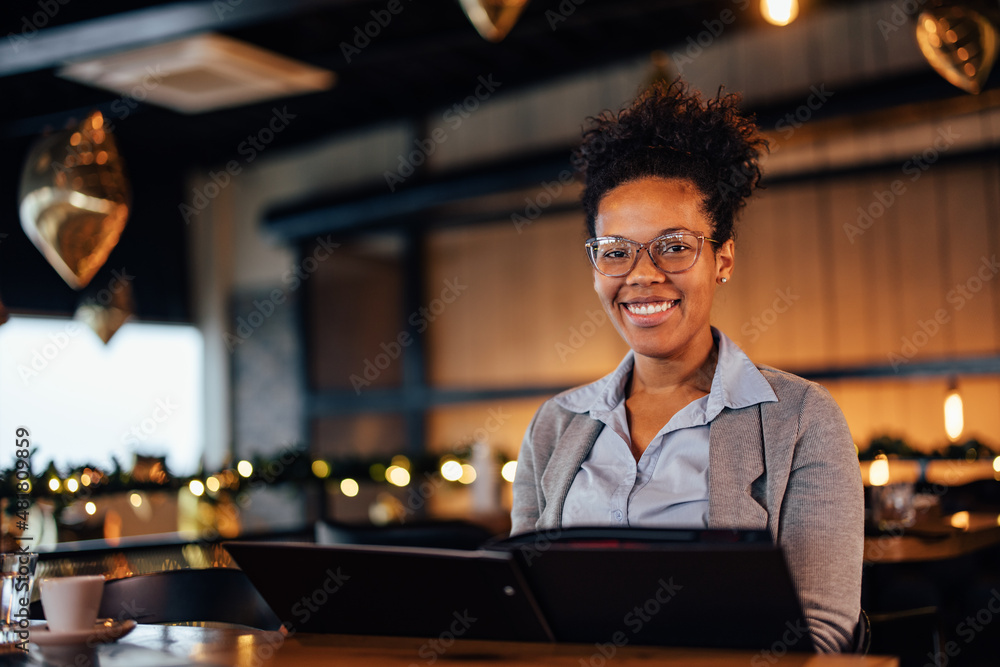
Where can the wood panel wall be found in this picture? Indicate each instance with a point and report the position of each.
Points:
(809, 292)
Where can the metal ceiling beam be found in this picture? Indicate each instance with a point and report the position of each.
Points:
(53, 47)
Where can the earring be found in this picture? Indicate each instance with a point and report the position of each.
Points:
(723, 280)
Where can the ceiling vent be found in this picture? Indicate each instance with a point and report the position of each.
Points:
(199, 74)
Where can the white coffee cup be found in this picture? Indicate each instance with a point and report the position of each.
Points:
(71, 603)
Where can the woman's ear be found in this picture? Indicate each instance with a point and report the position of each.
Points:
(725, 258)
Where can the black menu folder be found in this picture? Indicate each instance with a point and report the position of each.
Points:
(607, 586)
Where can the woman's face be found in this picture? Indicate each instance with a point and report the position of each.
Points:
(642, 210)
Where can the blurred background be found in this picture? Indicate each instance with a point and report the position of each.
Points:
(271, 263)
(353, 231)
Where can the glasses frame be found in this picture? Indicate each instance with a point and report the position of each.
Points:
(592, 243)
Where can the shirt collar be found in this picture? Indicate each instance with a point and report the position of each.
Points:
(737, 384)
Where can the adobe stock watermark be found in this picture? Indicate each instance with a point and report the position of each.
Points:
(967, 630)
(453, 117)
(696, 44)
(958, 297)
(433, 649)
(800, 115)
(635, 621)
(42, 357)
(420, 320)
(914, 168)
(420, 494)
(363, 35)
(141, 432)
(793, 634)
(266, 307)
(900, 16)
(759, 324)
(249, 149)
(581, 333)
(30, 25)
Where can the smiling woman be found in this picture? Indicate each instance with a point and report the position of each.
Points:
(688, 431)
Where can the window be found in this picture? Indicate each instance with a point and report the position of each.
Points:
(85, 402)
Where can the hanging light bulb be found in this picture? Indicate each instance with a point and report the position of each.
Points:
(959, 42)
(493, 19)
(954, 418)
(779, 12)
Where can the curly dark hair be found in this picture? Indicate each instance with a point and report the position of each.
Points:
(668, 132)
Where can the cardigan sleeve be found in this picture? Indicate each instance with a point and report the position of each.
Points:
(527, 485)
(822, 522)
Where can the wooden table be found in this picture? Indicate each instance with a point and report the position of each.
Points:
(172, 646)
(977, 530)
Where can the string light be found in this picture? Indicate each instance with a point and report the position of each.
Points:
(468, 474)
(451, 470)
(349, 487)
(244, 468)
(321, 468)
(196, 487)
(54, 484)
(508, 470)
(90, 508)
(72, 485)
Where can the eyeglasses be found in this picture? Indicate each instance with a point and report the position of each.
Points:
(614, 256)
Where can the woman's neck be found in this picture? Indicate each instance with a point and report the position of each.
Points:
(693, 369)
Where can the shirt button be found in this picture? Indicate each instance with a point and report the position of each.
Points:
(618, 515)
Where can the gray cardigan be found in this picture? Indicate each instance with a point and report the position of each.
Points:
(788, 466)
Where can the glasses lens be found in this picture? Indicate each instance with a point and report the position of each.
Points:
(613, 257)
(676, 252)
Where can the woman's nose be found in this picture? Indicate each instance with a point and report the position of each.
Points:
(645, 272)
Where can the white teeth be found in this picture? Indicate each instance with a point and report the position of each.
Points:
(650, 308)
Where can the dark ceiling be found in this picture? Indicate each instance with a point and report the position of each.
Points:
(426, 58)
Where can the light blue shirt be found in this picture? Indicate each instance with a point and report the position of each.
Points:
(668, 486)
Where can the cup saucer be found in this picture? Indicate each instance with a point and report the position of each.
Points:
(103, 632)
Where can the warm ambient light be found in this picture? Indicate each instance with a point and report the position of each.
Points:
(213, 484)
(451, 470)
(779, 12)
(244, 468)
(508, 470)
(397, 475)
(321, 468)
(72, 485)
(85, 479)
(954, 419)
(135, 499)
(90, 508)
(468, 474)
(54, 484)
(960, 520)
(196, 487)
(996, 464)
(878, 472)
(349, 487)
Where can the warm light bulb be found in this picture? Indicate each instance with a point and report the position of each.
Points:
(779, 12)
(91, 508)
(72, 485)
(196, 487)
(996, 464)
(878, 473)
(244, 468)
(508, 470)
(954, 420)
(349, 487)
(135, 499)
(321, 468)
(397, 475)
(213, 484)
(451, 470)
(54, 484)
(960, 520)
(468, 474)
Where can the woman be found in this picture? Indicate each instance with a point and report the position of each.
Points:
(687, 431)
